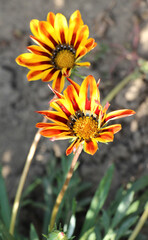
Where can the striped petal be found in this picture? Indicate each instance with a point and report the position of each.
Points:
(58, 83)
(75, 85)
(112, 128)
(73, 147)
(82, 36)
(118, 114)
(51, 74)
(90, 44)
(33, 61)
(74, 24)
(80, 52)
(42, 44)
(34, 26)
(48, 132)
(55, 116)
(47, 34)
(90, 147)
(38, 50)
(61, 27)
(89, 94)
(105, 137)
(51, 18)
(36, 74)
(72, 98)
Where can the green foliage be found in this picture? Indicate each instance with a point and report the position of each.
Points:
(112, 223)
(4, 203)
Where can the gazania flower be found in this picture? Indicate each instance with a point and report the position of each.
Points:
(80, 117)
(60, 47)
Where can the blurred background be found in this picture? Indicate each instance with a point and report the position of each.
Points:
(121, 30)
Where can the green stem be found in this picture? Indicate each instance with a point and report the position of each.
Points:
(140, 224)
(64, 188)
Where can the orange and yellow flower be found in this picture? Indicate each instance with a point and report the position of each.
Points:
(60, 47)
(80, 117)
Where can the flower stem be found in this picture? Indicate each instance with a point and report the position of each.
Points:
(22, 180)
(64, 188)
(140, 224)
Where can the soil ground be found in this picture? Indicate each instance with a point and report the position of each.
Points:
(121, 30)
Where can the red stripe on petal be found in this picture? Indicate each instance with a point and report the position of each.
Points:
(53, 116)
(76, 86)
(58, 82)
(34, 73)
(35, 51)
(51, 18)
(49, 75)
(90, 147)
(50, 132)
(73, 147)
(119, 114)
(105, 137)
(42, 44)
(43, 28)
(64, 109)
(113, 128)
(72, 98)
(62, 35)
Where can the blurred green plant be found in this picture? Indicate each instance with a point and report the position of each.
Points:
(114, 222)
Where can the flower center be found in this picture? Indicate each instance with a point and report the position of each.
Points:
(63, 56)
(84, 127)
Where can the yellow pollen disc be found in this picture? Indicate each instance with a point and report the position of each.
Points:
(65, 59)
(85, 127)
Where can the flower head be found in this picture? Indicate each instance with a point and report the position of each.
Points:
(80, 117)
(60, 47)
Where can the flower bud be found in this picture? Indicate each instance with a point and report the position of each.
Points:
(57, 235)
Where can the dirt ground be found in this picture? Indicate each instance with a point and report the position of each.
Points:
(120, 25)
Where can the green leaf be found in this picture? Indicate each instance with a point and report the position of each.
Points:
(33, 234)
(98, 200)
(125, 226)
(87, 233)
(4, 203)
(122, 208)
(105, 221)
(4, 232)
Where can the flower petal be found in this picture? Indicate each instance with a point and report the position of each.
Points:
(33, 61)
(51, 18)
(74, 24)
(75, 85)
(90, 146)
(51, 74)
(90, 44)
(118, 114)
(55, 116)
(82, 36)
(105, 137)
(36, 74)
(58, 83)
(61, 27)
(47, 34)
(34, 24)
(112, 128)
(89, 94)
(73, 147)
(38, 50)
(83, 64)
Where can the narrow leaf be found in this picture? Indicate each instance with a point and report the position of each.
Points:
(98, 200)
(4, 203)
(122, 208)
